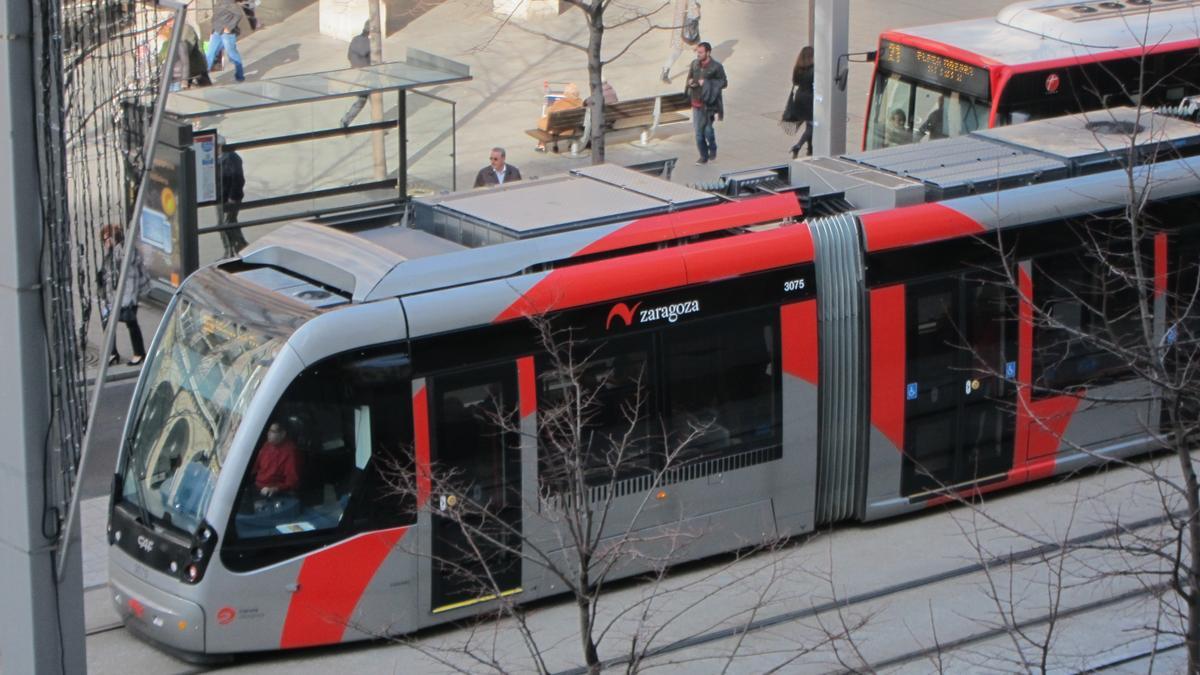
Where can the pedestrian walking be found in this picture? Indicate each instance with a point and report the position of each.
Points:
(189, 68)
(706, 80)
(233, 191)
(248, 7)
(498, 171)
(685, 30)
(799, 109)
(227, 14)
(359, 55)
(112, 237)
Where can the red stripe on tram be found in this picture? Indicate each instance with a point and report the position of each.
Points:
(1160, 264)
(421, 444)
(527, 382)
(799, 328)
(888, 362)
(330, 584)
(913, 225)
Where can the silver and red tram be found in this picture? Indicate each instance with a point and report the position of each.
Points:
(830, 348)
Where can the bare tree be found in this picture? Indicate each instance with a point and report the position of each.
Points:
(600, 18)
(1112, 309)
(603, 465)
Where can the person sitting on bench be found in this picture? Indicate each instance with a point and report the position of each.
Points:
(569, 101)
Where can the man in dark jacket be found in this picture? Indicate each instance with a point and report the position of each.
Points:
(227, 14)
(359, 55)
(706, 80)
(233, 191)
(498, 171)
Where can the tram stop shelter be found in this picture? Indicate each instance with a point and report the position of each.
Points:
(305, 152)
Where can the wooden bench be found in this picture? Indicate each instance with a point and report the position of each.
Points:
(646, 113)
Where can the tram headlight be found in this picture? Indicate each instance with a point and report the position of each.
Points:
(193, 572)
(197, 553)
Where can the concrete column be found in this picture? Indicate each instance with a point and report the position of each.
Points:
(43, 620)
(831, 40)
(343, 19)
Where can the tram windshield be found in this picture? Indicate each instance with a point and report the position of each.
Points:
(905, 110)
(216, 346)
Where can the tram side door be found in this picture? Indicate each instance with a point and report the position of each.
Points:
(961, 338)
(476, 487)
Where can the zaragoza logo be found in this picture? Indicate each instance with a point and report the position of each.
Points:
(622, 311)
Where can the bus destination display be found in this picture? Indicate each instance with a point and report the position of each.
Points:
(934, 69)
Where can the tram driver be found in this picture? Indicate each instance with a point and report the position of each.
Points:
(277, 468)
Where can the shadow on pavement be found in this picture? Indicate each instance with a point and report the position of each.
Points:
(400, 13)
(724, 51)
(282, 56)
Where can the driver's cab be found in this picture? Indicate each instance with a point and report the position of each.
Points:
(339, 466)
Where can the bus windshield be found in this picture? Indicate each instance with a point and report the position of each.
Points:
(198, 383)
(905, 110)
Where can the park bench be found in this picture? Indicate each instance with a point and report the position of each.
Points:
(646, 113)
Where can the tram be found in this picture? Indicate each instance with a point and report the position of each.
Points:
(824, 319)
(1034, 60)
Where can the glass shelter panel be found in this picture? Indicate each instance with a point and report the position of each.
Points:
(431, 144)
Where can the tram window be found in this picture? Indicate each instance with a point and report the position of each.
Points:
(934, 347)
(1082, 308)
(721, 387)
(473, 450)
(616, 383)
(336, 455)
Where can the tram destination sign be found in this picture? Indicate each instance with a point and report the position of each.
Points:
(935, 69)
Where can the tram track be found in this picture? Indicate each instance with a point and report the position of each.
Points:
(983, 636)
(874, 595)
(104, 628)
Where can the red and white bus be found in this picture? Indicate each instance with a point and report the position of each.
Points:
(1034, 60)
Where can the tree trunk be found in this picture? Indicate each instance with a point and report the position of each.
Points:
(590, 655)
(377, 139)
(596, 78)
(1191, 595)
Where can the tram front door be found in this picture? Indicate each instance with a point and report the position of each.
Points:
(476, 472)
(961, 338)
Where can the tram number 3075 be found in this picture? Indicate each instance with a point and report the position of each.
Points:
(793, 285)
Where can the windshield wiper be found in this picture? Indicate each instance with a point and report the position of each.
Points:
(143, 511)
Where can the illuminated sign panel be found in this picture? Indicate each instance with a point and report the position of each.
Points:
(935, 69)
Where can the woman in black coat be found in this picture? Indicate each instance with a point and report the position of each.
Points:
(799, 109)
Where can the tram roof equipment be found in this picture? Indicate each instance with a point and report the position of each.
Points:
(585, 197)
(991, 159)
(491, 234)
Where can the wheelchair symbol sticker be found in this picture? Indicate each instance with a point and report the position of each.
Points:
(1010, 370)
(911, 391)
